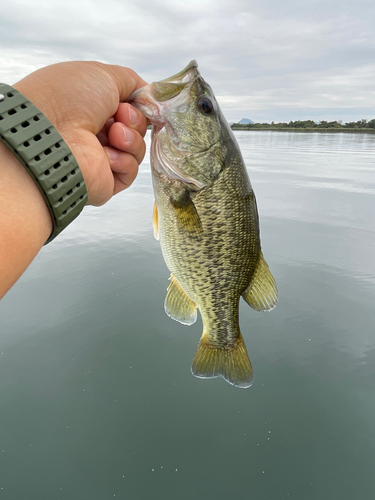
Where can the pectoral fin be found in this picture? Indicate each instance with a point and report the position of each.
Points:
(178, 305)
(261, 294)
(186, 213)
(155, 222)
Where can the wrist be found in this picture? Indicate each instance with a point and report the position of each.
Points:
(40, 95)
(25, 222)
(22, 195)
(46, 157)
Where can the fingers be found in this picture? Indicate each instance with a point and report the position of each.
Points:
(125, 145)
(122, 137)
(103, 134)
(128, 140)
(132, 118)
(124, 167)
(129, 116)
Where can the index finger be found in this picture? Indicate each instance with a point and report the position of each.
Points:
(126, 79)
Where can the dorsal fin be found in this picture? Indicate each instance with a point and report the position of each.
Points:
(178, 305)
(261, 294)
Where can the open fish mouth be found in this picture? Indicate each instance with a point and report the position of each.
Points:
(171, 87)
(188, 73)
(156, 99)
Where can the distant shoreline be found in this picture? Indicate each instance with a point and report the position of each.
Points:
(301, 129)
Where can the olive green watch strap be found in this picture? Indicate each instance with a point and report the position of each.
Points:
(45, 155)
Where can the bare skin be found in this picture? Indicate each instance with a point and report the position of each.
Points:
(84, 101)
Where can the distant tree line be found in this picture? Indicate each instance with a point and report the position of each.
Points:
(307, 124)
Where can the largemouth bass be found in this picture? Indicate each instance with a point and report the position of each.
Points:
(206, 219)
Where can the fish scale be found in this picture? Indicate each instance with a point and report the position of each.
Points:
(206, 220)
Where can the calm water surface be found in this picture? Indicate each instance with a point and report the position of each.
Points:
(97, 400)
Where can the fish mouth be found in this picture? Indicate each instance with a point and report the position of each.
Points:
(155, 100)
(171, 87)
(188, 73)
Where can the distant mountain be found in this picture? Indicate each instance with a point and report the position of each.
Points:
(245, 121)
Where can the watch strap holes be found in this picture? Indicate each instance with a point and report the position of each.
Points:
(43, 152)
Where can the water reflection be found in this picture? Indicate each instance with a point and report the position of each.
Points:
(96, 393)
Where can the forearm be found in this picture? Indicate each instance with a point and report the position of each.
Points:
(84, 101)
(25, 222)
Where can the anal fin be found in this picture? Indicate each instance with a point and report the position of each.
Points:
(261, 294)
(178, 305)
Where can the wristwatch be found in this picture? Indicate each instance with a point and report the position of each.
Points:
(45, 155)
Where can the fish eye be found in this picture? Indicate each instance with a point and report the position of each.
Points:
(205, 105)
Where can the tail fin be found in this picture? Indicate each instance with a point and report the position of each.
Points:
(233, 364)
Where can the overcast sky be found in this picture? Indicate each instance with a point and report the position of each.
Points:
(266, 60)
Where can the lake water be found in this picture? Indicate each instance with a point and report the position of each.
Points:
(97, 400)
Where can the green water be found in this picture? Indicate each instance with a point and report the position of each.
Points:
(96, 396)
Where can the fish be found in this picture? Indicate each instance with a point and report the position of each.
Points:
(206, 220)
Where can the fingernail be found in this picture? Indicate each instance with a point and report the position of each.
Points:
(133, 117)
(113, 154)
(128, 134)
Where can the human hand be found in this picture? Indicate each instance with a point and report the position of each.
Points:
(84, 101)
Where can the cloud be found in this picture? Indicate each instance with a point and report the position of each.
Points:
(266, 57)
